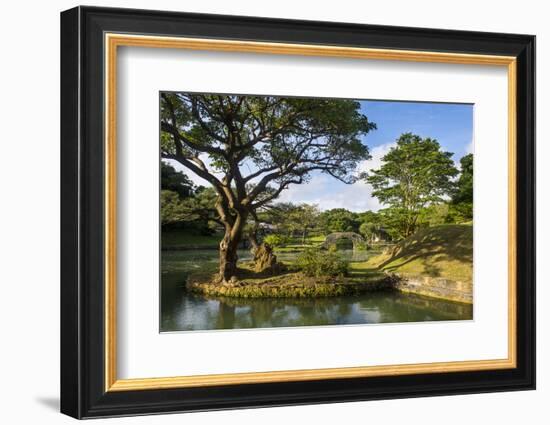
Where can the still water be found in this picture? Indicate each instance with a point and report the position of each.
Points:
(182, 311)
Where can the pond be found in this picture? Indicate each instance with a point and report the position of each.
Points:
(182, 311)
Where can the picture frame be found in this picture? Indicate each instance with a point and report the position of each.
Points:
(90, 39)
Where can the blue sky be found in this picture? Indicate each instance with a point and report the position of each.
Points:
(450, 124)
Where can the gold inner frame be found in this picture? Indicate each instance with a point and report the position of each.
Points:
(113, 41)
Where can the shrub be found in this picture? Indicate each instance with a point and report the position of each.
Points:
(318, 263)
(276, 240)
(362, 246)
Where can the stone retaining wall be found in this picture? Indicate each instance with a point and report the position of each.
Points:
(461, 291)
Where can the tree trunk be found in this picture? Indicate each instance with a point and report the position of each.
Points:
(228, 259)
(228, 250)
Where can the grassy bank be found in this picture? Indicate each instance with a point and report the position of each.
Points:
(440, 251)
(295, 244)
(182, 239)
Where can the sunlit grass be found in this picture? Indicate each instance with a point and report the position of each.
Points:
(441, 251)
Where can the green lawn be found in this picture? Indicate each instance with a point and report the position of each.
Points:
(184, 239)
(316, 239)
(439, 251)
(296, 243)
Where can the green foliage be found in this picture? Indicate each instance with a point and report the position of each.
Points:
(434, 215)
(318, 263)
(195, 212)
(276, 240)
(304, 218)
(361, 246)
(190, 239)
(415, 174)
(461, 208)
(175, 181)
(172, 208)
(465, 184)
(368, 230)
(291, 218)
(369, 217)
(266, 130)
(393, 219)
(290, 289)
(339, 220)
(460, 212)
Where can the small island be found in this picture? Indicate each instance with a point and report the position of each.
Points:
(435, 262)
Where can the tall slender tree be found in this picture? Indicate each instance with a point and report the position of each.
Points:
(413, 175)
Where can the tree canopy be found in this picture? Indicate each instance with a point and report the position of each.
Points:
(414, 174)
(339, 220)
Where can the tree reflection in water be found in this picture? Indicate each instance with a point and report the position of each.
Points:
(181, 311)
(198, 313)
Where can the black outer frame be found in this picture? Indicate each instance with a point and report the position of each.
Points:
(82, 212)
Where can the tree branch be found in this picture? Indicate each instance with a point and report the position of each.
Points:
(178, 137)
(282, 186)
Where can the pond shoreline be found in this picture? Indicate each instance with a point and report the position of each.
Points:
(183, 310)
(296, 285)
(290, 285)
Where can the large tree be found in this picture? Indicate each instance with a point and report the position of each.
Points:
(256, 147)
(414, 174)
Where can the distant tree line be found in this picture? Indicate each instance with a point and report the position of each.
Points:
(185, 205)
(414, 199)
(418, 184)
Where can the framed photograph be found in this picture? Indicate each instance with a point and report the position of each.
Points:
(261, 212)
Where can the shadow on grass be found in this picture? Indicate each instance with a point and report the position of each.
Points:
(441, 243)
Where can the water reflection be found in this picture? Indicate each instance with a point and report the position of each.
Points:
(196, 312)
(182, 311)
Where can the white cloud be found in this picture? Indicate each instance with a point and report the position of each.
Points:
(354, 197)
(322, 189)
(377, 153)
(329, 193)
